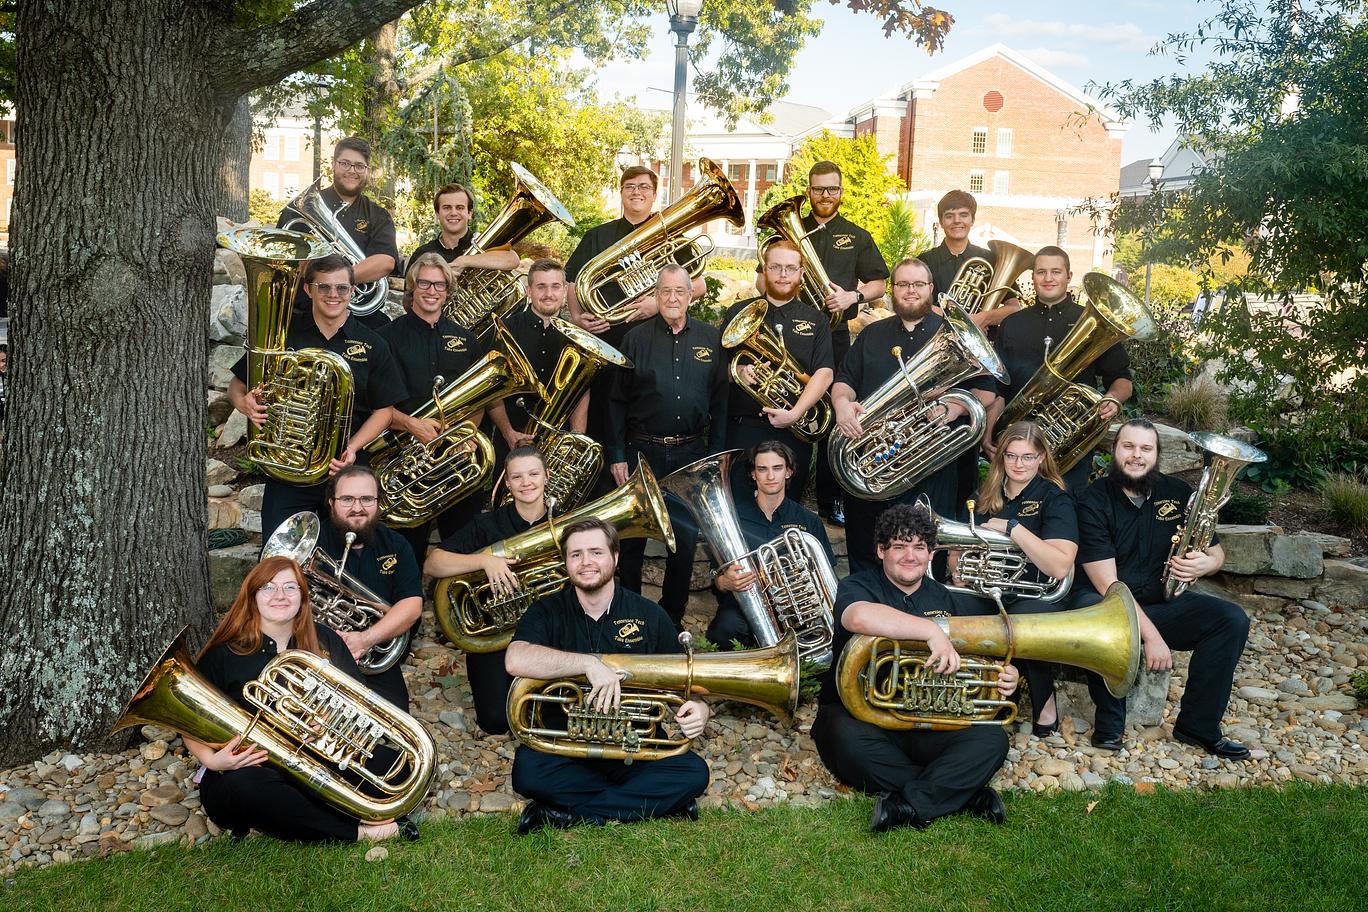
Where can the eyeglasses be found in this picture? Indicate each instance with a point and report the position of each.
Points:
(348, 500)
(641, 188)
(903, 286)
(325, 289)
(825, 191)
(340, 164)
(783, 270)
(289, 589)
(427, 284)
(1023, 458)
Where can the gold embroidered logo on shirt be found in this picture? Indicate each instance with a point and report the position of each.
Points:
(362, 224)
(802, 327)
(455, 343)
(1029, 508)
(843, 241)
(1167, 509)
(628, 631)
(388, 562)
(356, 351)
(702, 354)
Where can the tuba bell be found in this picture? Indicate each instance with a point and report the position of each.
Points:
(555, 717)
(779, 381)
(340, 601)
(307, 393)
(631, 266)
(887, 683)
(786, 220)
(316, 218)
(902, 440)
(991, 560)
(981, 286)
(315, 723)
(1067, 411)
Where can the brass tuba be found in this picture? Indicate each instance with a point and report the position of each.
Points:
(981, 286)
(482, 294)
(786, 220)
(990, 560)
(1228, 457)
(340, 601)
(1067, 411)
(419, 480)
(887, 683)
(795, 589)
(307, 393)
(631, 266)
(316, 724)
(779, 381)
(555, 717)
(902, 440)
(316, 218)
(477, 618)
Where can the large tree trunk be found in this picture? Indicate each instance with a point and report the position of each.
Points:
(235, 178)
(382, 98)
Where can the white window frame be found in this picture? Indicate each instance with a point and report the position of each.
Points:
(270, 182)
(1001, 183)
(1004, 142)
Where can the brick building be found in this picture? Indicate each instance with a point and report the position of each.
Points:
(7, 161)
(284, 164)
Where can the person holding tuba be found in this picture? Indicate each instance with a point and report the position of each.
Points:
(1128, 522)
(329, 324)
(919, 775)
(563, 635)
(454, 207)
(525, 478)
(955, 213)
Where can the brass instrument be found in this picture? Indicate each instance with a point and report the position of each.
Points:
(482, 294)
(340, 601)
(902, 441)
(316, 724)
(795, 588)
(785, 219)
(476, 617)
(887, 683)
(990, 560)
(317, 219)
(627, 269)
(419, 480)
(555, 717)
(779, 381)
(981, 286)
(573, 461)
(1228, 457)
(1067, 411)
(307, 393)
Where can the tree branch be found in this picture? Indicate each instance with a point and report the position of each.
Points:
(471, 54)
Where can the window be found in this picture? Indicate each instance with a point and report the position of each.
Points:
(771, 173)
(736, 173)
(975, 181)
(980, 146)
(9, 171)
(1000, 183)
(1004, 142)
(270, 182)
(270, 148)
(292, 146)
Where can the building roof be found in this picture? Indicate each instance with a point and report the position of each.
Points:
(1181, 162)
(789, 119)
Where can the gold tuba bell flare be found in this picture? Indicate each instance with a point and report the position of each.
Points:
(779, 381)
(786, 220)
(981, 286)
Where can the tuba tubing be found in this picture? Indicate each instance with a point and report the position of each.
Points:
(786, 220)
(781, 383)
(1004, 563)
(314, 213)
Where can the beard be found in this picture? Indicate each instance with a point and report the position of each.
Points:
(592, 585)
(1142, 485)
(912, 311)
(365, 530)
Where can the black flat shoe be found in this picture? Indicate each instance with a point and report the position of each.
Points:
(1222, 747)
(1108, 742)
(891, 811)
(1044, 731)
(987, 805)
(687, 812)
(537, 815)
(407, 828)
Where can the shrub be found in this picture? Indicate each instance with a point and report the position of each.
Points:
(1198, 404)
(1246, 509)
(1360, 684)
(1347, 499)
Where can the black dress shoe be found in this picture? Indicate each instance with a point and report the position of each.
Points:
(1222, 747)
(1108, 742)
(987, 805)
(1044, 731)
(687, 812)
(407, 828)
(537, 815)
(891, 811)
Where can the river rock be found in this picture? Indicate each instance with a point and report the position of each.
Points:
(216, 472)
(250, 497)
(377, 853)
(170, 814)
(30, 798)
(1261, 695)
(11, 811)
(222, 490)
(53, 808)
(160, 796)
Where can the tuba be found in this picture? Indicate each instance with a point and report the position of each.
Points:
(887, 683)
(340, 601)
(477, 618)
(1067, 411)
(981, 286)
(631, 266)
(482, 294)
(795, 589)
(316, 218)
(316, 724)
(555, 717)
(786, 220)
(1228, 457)
(419, 480)
(573, 461)
(779, 381)
(902, 440)
(307, 393)
(989, 560)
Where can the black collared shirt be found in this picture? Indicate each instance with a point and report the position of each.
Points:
(759, 528)
(945, 265)
(632, 623)
(229, 671)
(870, 361)
(484, 530)
(386, 565)
(447, 253)
(1139, 538)
(543, 344)
(376, 377)
(424, 351)
(1021, 345)
(1042, 508)
(931, 600)
(368, 224)
(678, 386)
(807, 336)
(849, 256)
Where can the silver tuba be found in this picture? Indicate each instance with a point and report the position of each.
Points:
(316, 218)
(989, 560)
(902, 441)
(340, 601)
(795, 588)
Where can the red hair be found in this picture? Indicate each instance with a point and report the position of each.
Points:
(241, 626)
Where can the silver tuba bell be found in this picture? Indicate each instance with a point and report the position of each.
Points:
(316, 218)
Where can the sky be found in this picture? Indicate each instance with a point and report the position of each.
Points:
(1080, 42)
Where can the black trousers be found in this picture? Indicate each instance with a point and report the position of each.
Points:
(936, 772)
(828, 491)
(390, 685)
(448, 522)
(1039, 675)
(601, 790)
(744, 433)
(489, 684)
(730, 624)
(861, 515)
(674, 594)
(265, 799)
(1076, 479)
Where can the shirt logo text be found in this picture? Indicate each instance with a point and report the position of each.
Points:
(802, 327)
(628, 631)
(702, 354)
(1029, 508)
(1166, 509)
(843, 241)
(388, 562)
(455, 344)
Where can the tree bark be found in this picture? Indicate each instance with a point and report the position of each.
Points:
(235, 178)
(382, 98)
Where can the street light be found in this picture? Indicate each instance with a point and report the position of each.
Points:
(1156, 174)
(683, 20)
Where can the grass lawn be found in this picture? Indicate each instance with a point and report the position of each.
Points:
(1301, 848)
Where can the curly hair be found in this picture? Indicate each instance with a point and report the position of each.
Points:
(903, 522)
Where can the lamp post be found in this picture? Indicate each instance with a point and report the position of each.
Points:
(683, 20)
(1156, 174)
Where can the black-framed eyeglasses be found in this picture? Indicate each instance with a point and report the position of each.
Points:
(826, 191)
(431, 284)
(903, 286)
(348, 500)
(342, 164)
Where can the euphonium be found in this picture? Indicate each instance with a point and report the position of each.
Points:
(980, 286)
(1228, 457)
(779, 381)
(990, 560)
(477, 618)
(886, 682)
(340, 601)
(786, 220)
(316, 724)
(902, 441)
(317, 219)
(630, 267)
(555, 717)
(795, 588)
(573, 461)
(419, 480)
(1067, 411)
(307, 393)
(482, 294)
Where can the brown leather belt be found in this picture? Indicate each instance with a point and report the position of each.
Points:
(665, 441)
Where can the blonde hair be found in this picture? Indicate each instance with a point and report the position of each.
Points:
(411, 276)
(990, 497)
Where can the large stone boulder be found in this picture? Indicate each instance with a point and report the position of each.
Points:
(1177, 451)
(228, 314)
(1345, 584)
(1268, 551)
(227, 568)
(1144, 704)
(221, 361)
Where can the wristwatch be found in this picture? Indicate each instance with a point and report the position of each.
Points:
(859, 296)
(1011, 524)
